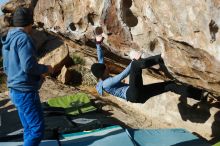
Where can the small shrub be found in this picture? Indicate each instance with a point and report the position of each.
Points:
(78, 60)
(87, 77)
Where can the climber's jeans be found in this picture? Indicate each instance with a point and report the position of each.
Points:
(31, 115)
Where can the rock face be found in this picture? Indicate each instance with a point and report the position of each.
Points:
(193, 66)
(13, 4)
(65, 75)
(57, 58)
(140, 24)
(4, 23)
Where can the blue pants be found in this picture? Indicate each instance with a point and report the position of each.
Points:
(31, 115)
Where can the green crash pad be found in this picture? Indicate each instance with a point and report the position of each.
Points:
(217, 144)
(73, 104)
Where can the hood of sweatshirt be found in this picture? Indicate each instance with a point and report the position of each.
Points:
(6, 40)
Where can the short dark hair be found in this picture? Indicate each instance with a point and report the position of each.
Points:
(98, 69)
(98, 30)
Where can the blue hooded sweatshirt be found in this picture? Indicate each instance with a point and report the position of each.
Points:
(20, 63)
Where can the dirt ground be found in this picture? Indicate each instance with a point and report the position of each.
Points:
(116, 108)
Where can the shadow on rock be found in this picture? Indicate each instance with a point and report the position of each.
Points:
(216, 129)
(199, 112)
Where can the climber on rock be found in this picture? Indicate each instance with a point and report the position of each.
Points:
(135, 91)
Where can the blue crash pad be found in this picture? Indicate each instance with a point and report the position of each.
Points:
(165, 137)
(110, 136)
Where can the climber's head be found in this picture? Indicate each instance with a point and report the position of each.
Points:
(99, 70)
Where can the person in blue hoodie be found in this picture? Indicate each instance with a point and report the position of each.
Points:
(135, 91)
(24, 75)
